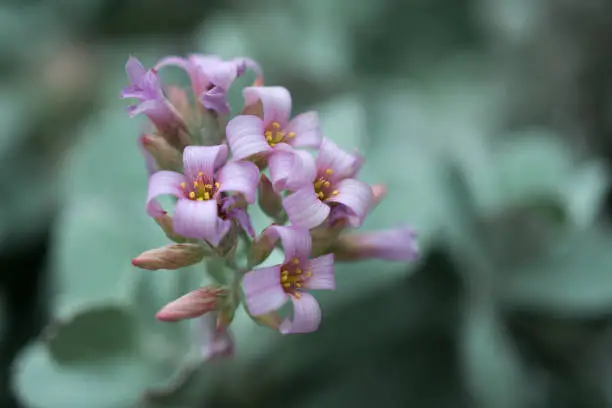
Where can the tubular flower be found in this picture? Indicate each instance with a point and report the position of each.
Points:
(268, 289)
(270, 128)
(146, 87)
(202, 190)
(211, 77)
(396, 244)
(326, 188)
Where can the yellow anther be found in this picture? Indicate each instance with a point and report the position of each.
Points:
(200, 174)
(183, 185)
(298, 285)
(286, 284)
(206, 195)
(291, 134)
(328, 171)
(284, 278)
(284, 272)
(335, 192)
(209, 186)
(200, 199)
(295, 261)
(326, 184)
(195, 184)
(297, 295)
(192, 195)
(298, 271)
(217, 184)
(308, 274)
(276, 125)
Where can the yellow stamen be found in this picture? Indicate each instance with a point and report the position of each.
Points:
(200, 199)
(192, 195)
(298, 285)
(326, 184)
(298, 271)
(183, 185)
(217, 184)
(291, 135)
(206, 196)
(276, 125)
(297, 295)
(286, 284)
(335, 192)
(328, 171)
(200, 174)
(195, 184)
(295, 261)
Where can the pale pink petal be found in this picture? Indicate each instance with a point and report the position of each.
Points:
(162, 183)
(276, 102)
(307, 130)
(341, 163)
(396, 244)
(243, 63)
(296, 242)
(291, 169)
(304, 208)
(245, 135)
(214, 341)
(263, 291)
(200, 220)
(204, 159)
(306, 316)
(322, 269)
(135, 70)
(356, 196)
(240, 177)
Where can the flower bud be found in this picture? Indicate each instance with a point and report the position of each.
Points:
(172, 256)
(193, 304)
(269, 200)
(379, 192)
(261, 248)
(166, 157)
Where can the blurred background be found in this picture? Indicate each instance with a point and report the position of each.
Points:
(490, 121)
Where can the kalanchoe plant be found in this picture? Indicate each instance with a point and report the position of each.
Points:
(283, 165)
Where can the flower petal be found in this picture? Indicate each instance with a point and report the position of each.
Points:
(150, 163)
(215, 99)
(396, 244)
(263, 291)
(245, 135)
(162, 183)
(307, 130)
(243, 63)
(176, 61)
(322, 269)
(276, 102)
(357, 197)
(204, 159)
(296, 242)
(244, 220)
(306, 316)
(200, 220)
(241, 177)
(341, 163)
(214, 341)
(135, 70)
(304, 208)
(291, 169)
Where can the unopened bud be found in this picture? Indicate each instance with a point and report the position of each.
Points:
(165, 222)
(166, 157)
(379, 192)
(193, 304)
(269, 200)
(325, 236)
(397, 244)
(261, 248)
(172, 256)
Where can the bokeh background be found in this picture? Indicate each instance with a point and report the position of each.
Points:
(490, 121)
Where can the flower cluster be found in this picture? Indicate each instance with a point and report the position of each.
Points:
(216, 167)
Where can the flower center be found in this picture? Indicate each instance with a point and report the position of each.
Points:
(293, 278)
(275, 135)
(323, 187)
(201, 190)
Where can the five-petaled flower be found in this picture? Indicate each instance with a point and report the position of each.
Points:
(253, 135)
(201, 191)
(268, 289)
(146, 87)
(322, 189)
(211, 77)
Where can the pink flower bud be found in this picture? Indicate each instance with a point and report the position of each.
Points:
(172, 256)
(396, 244)
(193, 304)
(269, 201)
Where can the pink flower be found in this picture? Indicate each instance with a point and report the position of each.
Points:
(250, 135)
(200, 191)
(397, 244)
(211, 77)
(268, 289)
(322, 189)
(145, 86)
(215, 340)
